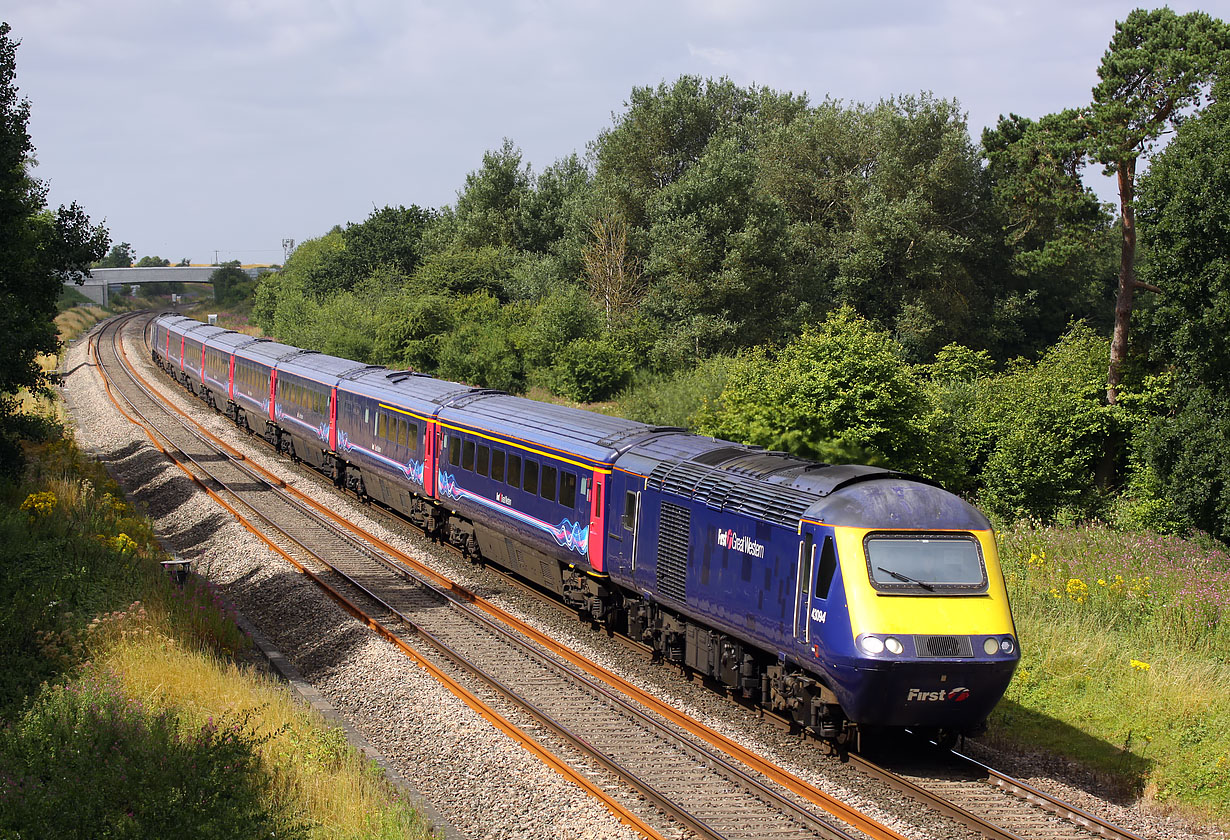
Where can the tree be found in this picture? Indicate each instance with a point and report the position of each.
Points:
(42, 248)
(490, 210)
(612, 274)
(1055, 232)
(1158, 66)
(1184, 206)
(841, 393)
(120, 256)
(152, 262)
(231, 283)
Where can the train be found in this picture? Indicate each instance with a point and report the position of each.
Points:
(843, 598)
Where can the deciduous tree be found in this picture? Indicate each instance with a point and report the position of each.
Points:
(41, 248)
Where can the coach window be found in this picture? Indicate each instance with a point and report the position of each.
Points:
(514, 470)
(567, 489)
(629, 517)
(467, 455)
(484, 459)
(548, 482)
(454, 450)
(413, 432)
(497, 464)
(529, 477)
(403, 431)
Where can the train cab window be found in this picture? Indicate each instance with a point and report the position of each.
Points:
(467, 455)
(497, 464)
(454, 449)
(629, 517)
(514, 470)
(484, 459)
(567, 489)
(529, 477)
(827, 568)
(548, 484)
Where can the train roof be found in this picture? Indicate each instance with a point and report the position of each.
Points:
(321, 368)
(597, 437)
(229, 341)
(414, 392)
(205, 332)
(786, 489)
(268, 353)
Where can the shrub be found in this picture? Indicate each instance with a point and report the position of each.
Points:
(841, 393)
(87, 761)
(591, 369)
(1049, 427)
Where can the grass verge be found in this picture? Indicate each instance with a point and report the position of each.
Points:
(125, 713)
(1125, 661)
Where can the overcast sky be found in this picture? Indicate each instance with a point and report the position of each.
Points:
(197, 128)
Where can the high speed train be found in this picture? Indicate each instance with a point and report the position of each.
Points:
(842, 597)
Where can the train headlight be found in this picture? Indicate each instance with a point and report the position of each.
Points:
(1007, 645)
(872, 645)
(894, 645)
(990, 647)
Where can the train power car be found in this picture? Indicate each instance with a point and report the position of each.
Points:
(840, 596)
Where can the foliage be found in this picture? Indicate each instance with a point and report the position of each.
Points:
(840, 393)
(1187, 218)
(1123, 668)
(231, 284)
(42, 249)
(675, 399)
(1054, 229)
(152, 262)
(154, 734)
(1158, 65)
(120, 256)
(1046, 428)
(591, 369)
(85, 760)
(484, 347)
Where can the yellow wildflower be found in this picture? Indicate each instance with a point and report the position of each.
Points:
(1077, 590)
(1140, 666)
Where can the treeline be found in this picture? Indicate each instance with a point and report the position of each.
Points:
(709, 219)
(850, 282)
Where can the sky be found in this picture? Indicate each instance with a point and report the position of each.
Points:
(216, 129)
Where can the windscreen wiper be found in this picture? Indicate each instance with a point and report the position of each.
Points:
(906, 579)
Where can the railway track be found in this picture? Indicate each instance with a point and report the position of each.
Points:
(694, 786)
(698, 786)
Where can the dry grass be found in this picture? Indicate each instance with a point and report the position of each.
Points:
(343, 796)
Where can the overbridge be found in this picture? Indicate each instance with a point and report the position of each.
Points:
(97, 286)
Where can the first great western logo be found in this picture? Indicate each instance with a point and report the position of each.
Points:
(747, 545)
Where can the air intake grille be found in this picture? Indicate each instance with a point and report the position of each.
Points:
(673, 535)
(944, 646)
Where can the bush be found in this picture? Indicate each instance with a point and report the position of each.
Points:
(841, 393)
(676, 400)
(87, 761)
(1049, 427)
(591, 369)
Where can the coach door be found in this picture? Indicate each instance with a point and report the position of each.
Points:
(804, 575)
(623, 523)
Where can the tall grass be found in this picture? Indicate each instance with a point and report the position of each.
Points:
(119, 693)
(1125, 658)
